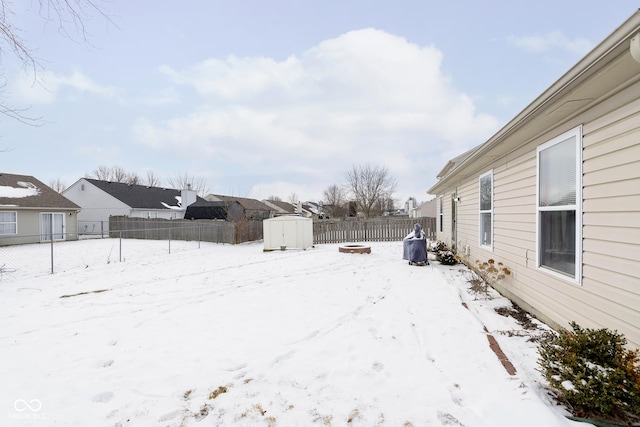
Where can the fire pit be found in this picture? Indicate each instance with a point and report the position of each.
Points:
(355, 249)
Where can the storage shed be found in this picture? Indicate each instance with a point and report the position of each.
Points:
(287, 232)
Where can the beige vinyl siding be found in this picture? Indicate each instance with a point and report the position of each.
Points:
(468, 214)
(515, 210)
(611, 222)
(610, 292)
(600, 94)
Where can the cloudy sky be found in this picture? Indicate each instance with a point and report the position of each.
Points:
(275, 97)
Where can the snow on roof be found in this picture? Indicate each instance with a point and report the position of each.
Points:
(26, 189)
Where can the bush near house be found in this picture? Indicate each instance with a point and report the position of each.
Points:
(593, 373)
(446, 257)
(443, 254)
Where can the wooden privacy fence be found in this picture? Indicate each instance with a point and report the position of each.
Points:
(370, 230)
(324, 231)
(204, 230)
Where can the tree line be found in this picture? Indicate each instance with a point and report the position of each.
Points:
(367, 189)
(150, 179)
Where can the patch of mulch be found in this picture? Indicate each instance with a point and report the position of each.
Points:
(523, 318)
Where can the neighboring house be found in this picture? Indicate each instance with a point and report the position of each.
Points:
(254, 209)
(312, 210)
(279, 207)
(555, 195)
(31, 212)
(410, 205)
(100, 200)
(424, 210)
(204, 209)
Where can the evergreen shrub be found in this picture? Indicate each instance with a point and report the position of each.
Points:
(593, 373)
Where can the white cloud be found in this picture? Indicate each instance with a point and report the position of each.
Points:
(365, 96)
(550, 41)
(45, 86)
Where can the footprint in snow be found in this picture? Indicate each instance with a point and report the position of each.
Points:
(377, 366)
(104, 363)
(456, 394)
(448, 420)
(170, 415)
(103, 397)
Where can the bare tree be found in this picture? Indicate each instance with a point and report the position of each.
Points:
(114, 174)
(369, 185)
(65, 13)
(293, 198)
(120, 175)
(151, 179)
(103, 173)
(274, 199)
(57, 185)
(186, 181)
(334, 201)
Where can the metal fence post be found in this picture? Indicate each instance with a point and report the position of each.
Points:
(120, 259)
(51, 238)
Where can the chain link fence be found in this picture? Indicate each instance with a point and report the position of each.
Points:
(23, 261)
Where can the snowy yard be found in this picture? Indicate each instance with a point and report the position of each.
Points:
(233, 336)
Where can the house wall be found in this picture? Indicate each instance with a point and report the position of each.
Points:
(609, 295)
(425, 209)
(96, 207)
(29, 226)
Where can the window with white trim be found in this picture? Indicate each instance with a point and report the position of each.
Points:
(559, 205)
(441, 214)
(486, 209)
(8, 223)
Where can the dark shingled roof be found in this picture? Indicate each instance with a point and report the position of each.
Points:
(46, 197)
(203, 209)
(248, 204)
(139, 196)
(286, 206)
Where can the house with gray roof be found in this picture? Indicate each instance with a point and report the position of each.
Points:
(32, 212)
(280, 207)
(223, 210)
(100, 200)
(253, 209)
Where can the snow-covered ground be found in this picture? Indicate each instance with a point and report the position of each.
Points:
(234, 336)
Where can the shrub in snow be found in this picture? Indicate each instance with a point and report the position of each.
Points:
(437, 246)
(593, 373)
(446, 257)
(443, 254)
